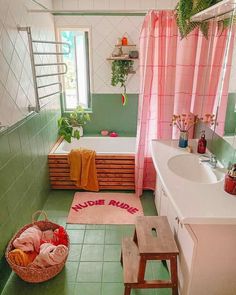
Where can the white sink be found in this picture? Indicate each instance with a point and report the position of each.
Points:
(190, 168)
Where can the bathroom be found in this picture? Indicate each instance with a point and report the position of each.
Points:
(29, 137)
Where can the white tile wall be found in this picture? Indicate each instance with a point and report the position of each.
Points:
(105, 30)
(16, 83)
(16, 88)
(114, 4)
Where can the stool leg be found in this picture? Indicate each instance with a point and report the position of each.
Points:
(142, 267)
(127, 290)
(174, 274)
(121, 259)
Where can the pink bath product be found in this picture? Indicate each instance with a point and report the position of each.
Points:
(104, 132)
(113, 134)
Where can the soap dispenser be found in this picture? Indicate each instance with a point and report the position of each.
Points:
(230, 180)
(202, 143)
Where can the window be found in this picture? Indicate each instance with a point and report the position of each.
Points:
(77, 80)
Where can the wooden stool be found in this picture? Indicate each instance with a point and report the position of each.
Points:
(153, 240)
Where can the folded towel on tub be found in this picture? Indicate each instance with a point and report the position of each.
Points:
(50, 255)
(29, 240)
(83, 169)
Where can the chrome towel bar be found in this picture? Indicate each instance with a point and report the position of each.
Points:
(48, 85)
(34, 66)
(50, 94)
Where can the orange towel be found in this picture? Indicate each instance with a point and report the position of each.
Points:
(83, 169)
(21, 258)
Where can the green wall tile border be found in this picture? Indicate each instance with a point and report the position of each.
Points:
(29, 116)
(224, 152)
(230, 122)
(17, 124)
(108, 114)
(24, 179)
(62, 102)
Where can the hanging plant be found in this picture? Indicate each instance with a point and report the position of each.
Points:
(185, 9)
(120, 71)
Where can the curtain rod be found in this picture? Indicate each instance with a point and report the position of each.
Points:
(102, 12)
(85, 11)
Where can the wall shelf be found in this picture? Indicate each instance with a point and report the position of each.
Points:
(121, 58)
(220, 11)
(128, 45)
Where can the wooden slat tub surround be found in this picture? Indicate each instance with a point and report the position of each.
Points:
(115, 172)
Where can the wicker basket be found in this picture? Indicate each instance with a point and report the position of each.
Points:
(30, 274)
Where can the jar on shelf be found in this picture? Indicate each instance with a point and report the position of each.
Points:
(119, 42)
(117, 52)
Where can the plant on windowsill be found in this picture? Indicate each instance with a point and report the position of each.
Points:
(186, 9)
(120, 71)
(72, 126)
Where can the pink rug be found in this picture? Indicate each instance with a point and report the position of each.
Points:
(104, 208)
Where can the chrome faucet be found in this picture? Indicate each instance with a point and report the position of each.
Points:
(209, 159)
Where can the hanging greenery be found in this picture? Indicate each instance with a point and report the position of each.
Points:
(120, 71)
(185, 9)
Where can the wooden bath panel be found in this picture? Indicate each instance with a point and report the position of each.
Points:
(115, 172)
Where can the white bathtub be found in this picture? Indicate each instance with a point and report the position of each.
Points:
(102, 145)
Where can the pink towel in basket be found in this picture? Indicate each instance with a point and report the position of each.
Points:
(29, 240)
(50, 255)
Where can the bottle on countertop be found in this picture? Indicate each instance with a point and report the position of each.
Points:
(202, 143)
(230, 181)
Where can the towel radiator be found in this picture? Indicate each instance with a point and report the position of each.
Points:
(62, 68)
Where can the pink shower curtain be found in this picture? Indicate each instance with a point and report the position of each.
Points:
(176, 77)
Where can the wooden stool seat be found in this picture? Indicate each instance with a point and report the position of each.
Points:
(153, 240)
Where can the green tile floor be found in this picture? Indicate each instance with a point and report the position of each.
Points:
(93, 266)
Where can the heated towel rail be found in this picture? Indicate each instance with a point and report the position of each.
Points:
(61, 67)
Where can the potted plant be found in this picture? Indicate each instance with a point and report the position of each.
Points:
(72, 126)
(120, 71)
(186, 9)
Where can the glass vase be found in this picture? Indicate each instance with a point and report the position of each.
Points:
(183, 138)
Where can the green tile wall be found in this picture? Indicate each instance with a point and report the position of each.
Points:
(108, 113)
(224, 152)
(230, 123)
(24, 181)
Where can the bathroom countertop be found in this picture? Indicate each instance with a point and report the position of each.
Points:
(195, 203)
